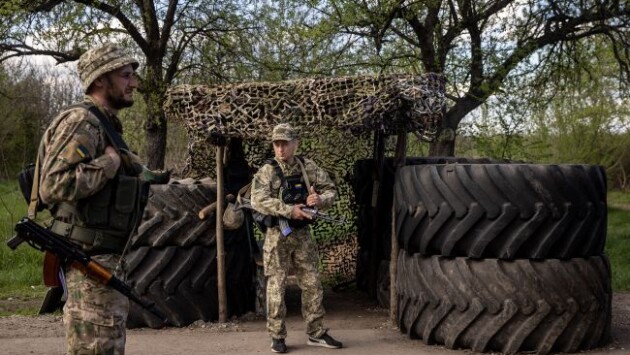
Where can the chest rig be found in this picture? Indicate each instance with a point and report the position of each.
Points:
(293, 190)
(103, 222)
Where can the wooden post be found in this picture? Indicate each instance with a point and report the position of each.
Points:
(401, 155)
(220, 244)
(377, 179)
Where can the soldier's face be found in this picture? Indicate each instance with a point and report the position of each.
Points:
(120, 86)
(285, 150)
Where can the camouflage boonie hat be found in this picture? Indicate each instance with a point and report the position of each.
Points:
(99, 61)
(284, 132)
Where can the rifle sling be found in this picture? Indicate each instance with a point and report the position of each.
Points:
(114, 137)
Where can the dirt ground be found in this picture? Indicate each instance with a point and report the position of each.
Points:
(363, 327)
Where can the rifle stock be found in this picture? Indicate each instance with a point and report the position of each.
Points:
(43, 239)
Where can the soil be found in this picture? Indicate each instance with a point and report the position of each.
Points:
(363, 327)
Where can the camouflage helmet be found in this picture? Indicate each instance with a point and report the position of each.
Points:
(284, 132)
(98, 61)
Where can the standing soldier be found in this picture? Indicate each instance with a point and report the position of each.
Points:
(280, 189)
(96, 200)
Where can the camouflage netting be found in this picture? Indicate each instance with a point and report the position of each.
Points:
(336, 118)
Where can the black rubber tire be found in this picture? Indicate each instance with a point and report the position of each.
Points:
(362, 185)
(505, 306)
(170, 217)
(172, 259)
(182, 281)
(504, 211)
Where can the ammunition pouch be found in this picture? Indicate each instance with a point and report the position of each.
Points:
(98, 240)
(294, 192)
(105, 220)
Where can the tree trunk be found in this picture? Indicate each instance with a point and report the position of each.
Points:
(156, 140)
(156, 130)
(444, 145)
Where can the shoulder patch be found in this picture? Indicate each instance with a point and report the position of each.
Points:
(74, 152)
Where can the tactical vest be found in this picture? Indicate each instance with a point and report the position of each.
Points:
(103, 222)
(292, 191)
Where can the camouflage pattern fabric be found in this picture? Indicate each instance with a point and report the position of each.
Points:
(95, 315)
(99, 61)
(279, 254)
(74, 165)
(395, 102)
(298, 250)
(266, 187)
(337, 118)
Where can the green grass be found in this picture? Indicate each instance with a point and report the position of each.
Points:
(619, 198)
(618, 239)
(20, 269)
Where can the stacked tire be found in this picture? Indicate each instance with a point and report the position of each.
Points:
(374, 219)
(503, 257)
(172, 259)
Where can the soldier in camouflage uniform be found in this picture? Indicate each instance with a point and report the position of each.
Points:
(95, 201)
(280, 252)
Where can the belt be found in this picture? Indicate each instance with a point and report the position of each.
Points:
(96, 238)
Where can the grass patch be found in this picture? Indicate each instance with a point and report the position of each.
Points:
(20, 269)
(619, 198)
(618, 239)
(28, 311)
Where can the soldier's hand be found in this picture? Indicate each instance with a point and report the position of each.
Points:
(109, 150)
(313, 199)
(298, 213)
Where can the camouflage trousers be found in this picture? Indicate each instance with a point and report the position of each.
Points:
(279, 254)
(94, 315)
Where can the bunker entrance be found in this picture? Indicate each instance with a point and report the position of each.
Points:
(344, 124)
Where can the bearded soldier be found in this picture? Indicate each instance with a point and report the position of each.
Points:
(280, 189)
(96, 200)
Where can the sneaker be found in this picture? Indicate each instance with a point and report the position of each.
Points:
(278, 346)
(325, 340)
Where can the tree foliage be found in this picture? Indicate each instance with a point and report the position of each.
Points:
(168, 36)
(479, 45)
(27, 103)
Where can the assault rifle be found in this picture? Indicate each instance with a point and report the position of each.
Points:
(283, 223)
(44, 240)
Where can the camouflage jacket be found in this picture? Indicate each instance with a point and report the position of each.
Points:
(266, 187)
(74, 164)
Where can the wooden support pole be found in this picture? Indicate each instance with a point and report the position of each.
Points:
(376, 249)
(220, 244)
(401, 156)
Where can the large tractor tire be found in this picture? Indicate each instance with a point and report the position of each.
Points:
(504, 211)
(374, 222)
(505, 306)
(172, 259)
(170, 217)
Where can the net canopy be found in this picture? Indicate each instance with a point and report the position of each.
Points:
(391, 103)
(336, 119)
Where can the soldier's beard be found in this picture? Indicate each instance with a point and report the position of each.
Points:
(118, 102)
